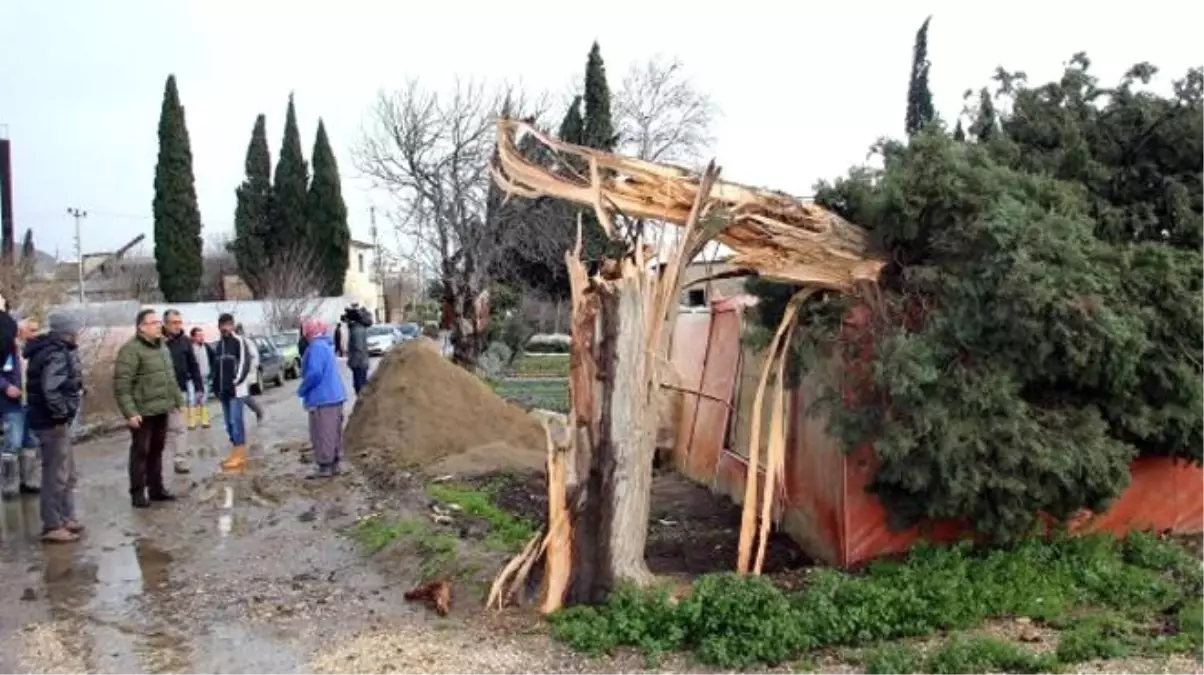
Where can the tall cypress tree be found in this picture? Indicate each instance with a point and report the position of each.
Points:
(288, 230)
(177, 218)
(28, 250)
(572, 127)
(599, 129)
(959, 133)
(29, 254)
(251, 213)
(919, 97)
(328, 231)
(986, 122)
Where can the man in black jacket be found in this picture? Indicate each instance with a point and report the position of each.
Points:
(55, 391)
(188, 371)
(358, 320)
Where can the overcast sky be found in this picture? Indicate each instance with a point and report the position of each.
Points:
(804, 87)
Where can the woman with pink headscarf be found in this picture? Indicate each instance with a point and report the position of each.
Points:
(323, 395)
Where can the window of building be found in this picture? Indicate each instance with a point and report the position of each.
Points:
(361, 258)
(696, 297)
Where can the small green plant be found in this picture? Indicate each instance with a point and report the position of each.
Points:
(1098, 636)
(986, 655)
(506, 531)
(376, 532)
(1190, 622)
(894, 658)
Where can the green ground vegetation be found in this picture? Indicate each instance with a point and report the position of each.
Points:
(1137, 596)
(546, 394)
(540, 365)
(440, 550)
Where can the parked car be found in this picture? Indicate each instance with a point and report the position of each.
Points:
(288, 344)
(382, 337)
(271, 364)
(409, 331)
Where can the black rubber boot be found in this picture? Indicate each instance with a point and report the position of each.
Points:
(139, 500)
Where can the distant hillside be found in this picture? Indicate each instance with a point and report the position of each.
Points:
(43, 262)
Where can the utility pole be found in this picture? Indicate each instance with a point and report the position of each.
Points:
(382, 299)
(79, 214)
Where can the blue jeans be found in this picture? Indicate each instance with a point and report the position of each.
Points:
(195, 398)
(232, 411)
(16, 433)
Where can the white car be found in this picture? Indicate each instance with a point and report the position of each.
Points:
(381, 338)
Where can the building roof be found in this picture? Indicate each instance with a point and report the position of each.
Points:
(355, 243)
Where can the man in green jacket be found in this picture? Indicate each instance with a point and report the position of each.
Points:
(144, 381)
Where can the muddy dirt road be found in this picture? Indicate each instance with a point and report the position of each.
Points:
(243, 574)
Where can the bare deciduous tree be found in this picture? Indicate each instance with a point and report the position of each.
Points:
(661, 116)
(432, 151)
(291, 287)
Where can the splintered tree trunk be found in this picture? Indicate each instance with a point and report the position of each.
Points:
(615, 443)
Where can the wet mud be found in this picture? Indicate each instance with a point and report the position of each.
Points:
(244, 573)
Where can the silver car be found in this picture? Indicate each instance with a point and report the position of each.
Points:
(381, 338)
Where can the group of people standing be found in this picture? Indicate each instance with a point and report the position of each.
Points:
(43, 390)
(163, 379)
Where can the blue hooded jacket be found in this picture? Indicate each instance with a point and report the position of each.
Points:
(321, 383)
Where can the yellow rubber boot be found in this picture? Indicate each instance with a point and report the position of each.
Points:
(193, 417)
(237, 459)
(204, 416)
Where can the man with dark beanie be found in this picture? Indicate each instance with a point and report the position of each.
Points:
(55, 391)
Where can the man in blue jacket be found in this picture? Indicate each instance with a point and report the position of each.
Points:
(323, 395)
(18, 453)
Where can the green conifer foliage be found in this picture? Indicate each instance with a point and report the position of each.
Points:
(177, 217)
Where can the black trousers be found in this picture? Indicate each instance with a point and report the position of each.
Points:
(146, 455)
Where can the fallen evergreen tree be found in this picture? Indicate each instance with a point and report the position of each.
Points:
(1039, 325)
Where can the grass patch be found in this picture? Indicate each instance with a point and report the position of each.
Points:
(540, 365)
(548, 394)
(437, 551)
(740, 622)
(506, 531)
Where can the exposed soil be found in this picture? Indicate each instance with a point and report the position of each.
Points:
(420, 411)
(691, 531)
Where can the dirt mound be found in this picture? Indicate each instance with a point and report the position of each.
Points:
(420, 411)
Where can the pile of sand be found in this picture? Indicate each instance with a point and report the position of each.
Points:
(420, 411)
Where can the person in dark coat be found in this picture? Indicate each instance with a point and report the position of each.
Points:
(55, 391)
(188, 376)
(358, 321)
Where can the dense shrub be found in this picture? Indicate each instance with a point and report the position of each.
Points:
(1039, 324)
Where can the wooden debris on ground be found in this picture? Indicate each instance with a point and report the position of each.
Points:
(435, 595)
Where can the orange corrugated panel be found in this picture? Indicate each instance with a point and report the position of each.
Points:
(866, 533)
(1189, 487)
(689, 346)
(814, 483)
(1164, 495)
(709, 422)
